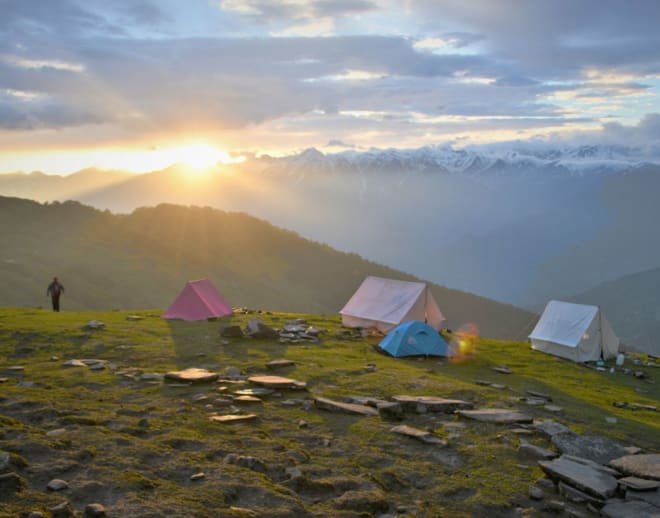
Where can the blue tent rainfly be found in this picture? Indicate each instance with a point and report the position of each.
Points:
(415, 338)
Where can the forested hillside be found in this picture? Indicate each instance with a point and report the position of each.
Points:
(142, 260)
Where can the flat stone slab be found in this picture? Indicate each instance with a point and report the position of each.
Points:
(541, 395)
(502, 369)
(583, 474)
(495, 415)
(279, 364)
(593, 447)
(233, 418)
(193, 375)
(643, 466)
(538, 452)
(639, 484)
(420, 435)
(650, 497)
(366, 400)
(553, 408)
(432, 404)
(338, 406)
(549, 427)
(254, 392)
(277, 382)
(74, 363)
(247, 399)
(630, 509)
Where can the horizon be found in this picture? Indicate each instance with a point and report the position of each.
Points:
(141, 85)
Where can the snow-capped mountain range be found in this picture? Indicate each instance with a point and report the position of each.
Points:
(585, 159)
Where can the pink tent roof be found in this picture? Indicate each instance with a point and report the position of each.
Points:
(198, 300)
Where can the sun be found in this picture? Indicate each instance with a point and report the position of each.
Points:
(199, 156)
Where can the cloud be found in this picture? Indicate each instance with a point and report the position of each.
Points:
(339, 143)
(364, 70)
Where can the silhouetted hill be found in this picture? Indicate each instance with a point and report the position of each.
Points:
(141, 260)
(632, 305)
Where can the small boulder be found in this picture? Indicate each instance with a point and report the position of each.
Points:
(63, 510)
(94, 511)
(57, 484)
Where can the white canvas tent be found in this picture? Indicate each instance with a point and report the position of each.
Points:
(385, 303)
(574, 331)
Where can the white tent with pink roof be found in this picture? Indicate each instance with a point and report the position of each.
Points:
(199, 300)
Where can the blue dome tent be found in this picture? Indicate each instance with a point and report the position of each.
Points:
(415, 338)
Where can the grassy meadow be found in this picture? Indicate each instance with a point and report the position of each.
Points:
(132, 443)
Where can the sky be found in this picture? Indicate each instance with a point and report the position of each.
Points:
(139, 84)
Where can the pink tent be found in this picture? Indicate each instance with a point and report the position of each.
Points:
(198, 300)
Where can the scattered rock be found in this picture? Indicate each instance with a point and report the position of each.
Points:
(94, 324)
(254, 392)
(553, 408)
(16, 368)
(639, 484)
(541, 395)
(575, 495)
(277, 382)
(293, 472)
(233, 418)
(366, 400)
(431, 404)
(650, 497)
(582, 474)
(533, 401)
(197, 476)
(643, 466)
(498, 386)
(35, 514)
(247, 399)
(258, 329)
(522, 431)
(94, 511)
(74, 363)
(502, 369)
(338, 406)
(630, 509)
(495, 415)
(245, 461)
(57, 484)
(537, 452)
(5, 461)
(192, 375)
(63, 510)
(134, 318)
(420, 435)
(549, 428)
(535, 493)
(595, 447)
(390, 410)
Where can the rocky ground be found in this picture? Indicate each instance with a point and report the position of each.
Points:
(201, 421)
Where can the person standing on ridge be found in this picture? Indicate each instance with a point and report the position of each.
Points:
(55, 289)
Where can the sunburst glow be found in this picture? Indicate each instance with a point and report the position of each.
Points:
(198, 156)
